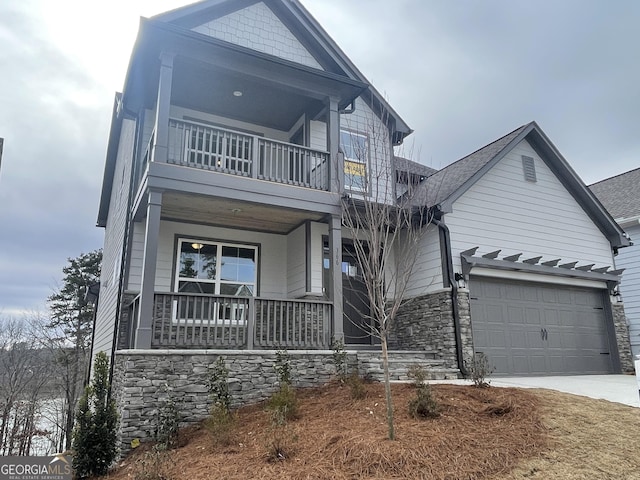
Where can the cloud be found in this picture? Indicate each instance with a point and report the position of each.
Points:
(460, 73)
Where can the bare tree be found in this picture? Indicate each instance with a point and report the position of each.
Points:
(381, 213)
(25, 377)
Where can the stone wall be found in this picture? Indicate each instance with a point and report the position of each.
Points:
(622, 337)
(425, 323)
(466, 333)
(142, 378)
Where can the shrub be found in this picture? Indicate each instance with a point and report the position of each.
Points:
(417, 374)
(281, 438)
(284, 403)
(220, 424)
(219, 385)
(94, 436)
(221, 420)
(480, 369)
(152, 465)
(424, 405)
(356, 385)
(282, 366)
(167, 422)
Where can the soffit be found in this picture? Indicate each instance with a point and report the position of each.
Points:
(236, 214)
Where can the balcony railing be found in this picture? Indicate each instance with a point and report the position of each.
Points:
(218, 321)
(221, 150)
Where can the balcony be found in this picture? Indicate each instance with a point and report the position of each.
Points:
(199, 321)
(227, 151)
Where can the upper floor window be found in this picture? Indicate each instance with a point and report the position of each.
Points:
(216, 268)
(355, 147)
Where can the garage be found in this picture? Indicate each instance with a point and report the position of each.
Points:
(528, 328)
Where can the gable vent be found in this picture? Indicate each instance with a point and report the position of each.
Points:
(529, 168)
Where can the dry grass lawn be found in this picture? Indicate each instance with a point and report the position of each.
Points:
(492, 433)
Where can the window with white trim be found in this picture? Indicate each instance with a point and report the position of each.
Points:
(355, 147)
(214, 268)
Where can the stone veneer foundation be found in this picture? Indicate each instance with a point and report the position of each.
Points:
(622, 337)
(141, 379)
(426, 323)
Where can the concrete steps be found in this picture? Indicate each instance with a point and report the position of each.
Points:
(370, 364)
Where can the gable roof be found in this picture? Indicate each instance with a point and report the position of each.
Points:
(453, 180)
(296, 17)
(620, 195)
(443, 188)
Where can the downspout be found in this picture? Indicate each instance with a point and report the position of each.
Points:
(454, 292)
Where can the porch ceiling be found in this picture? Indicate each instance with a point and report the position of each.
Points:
(232, 213)
(208, 88)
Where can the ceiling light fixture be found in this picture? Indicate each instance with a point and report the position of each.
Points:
(197, 246)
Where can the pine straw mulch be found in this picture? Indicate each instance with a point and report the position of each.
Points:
(480, 433)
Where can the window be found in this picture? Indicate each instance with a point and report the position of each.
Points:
(355, 147)
(214, 268)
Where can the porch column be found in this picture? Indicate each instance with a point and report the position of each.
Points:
(149, 260)
(163, 105)
(336, 168)
(335, 257)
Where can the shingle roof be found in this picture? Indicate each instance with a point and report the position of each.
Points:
(413, 168)
(620, 194)
(442, 184)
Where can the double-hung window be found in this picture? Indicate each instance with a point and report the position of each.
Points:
(207, 269)
(355, 147)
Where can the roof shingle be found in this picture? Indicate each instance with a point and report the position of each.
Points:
(442, 184)
(620, 194)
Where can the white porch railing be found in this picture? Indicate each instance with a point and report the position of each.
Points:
(222, 150)
(184, 320)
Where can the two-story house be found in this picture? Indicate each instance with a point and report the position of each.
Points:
(240, 128)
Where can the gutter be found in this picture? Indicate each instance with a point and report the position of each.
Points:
(446, 246)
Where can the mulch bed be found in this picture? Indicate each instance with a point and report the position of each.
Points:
(481, 432)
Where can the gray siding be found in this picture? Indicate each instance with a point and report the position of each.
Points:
(380, 169)
(504, 211)
(426, 276)
(258, 28)
(272, 277)
(195, 115)
(318, 230)
(629, 258)
(318, 135)
(113, 241)
(296, 265)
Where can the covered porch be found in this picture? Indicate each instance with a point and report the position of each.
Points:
(208, 272)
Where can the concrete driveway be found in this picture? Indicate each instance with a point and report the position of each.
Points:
(615, 388)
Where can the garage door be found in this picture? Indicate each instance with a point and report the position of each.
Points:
(533, 329)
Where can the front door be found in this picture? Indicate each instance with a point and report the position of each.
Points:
(355, 299)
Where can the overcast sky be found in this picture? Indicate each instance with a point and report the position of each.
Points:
(460, 72)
